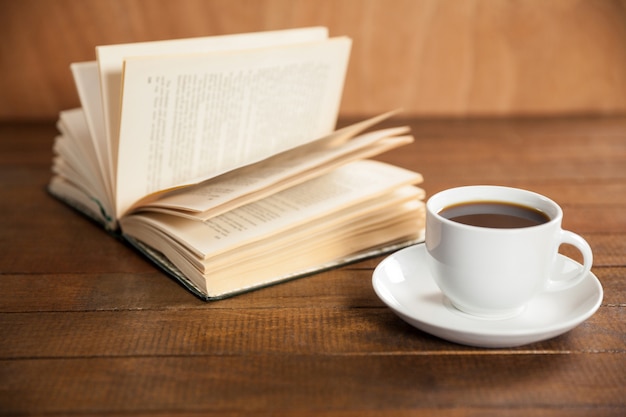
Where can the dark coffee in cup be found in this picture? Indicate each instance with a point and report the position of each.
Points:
(494, 214)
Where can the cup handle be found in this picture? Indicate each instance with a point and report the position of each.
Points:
(584, 248)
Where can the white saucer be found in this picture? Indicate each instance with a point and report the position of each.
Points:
(403, 282)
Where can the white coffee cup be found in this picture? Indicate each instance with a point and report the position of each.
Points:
(494, 272)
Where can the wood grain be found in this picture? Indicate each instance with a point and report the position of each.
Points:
(87, 327)
(429, 57)
(288, 384)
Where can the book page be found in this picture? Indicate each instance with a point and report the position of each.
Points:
(87, 82)
(111, 61)
(383, 211)
(200, 197)
(339, 189)
(77, 160)
(242, 186)
(70, 165)
(189, 118)
(384, 221)
(401, 206)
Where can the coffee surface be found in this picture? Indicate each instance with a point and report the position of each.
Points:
(494, 214)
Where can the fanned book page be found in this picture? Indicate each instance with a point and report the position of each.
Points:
(349, 209)
(192, 117)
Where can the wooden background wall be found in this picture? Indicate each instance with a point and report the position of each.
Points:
(431, 57)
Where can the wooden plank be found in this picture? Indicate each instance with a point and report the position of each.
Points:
(307, 330)
(51, 235)
(255, 383)
(496, 162)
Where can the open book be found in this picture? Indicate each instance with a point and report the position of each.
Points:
(217, 158)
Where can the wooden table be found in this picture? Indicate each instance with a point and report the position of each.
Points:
(87, 327)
